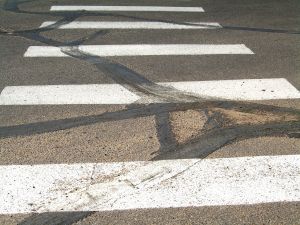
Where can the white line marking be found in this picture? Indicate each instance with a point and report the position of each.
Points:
(152, 184)
(126, 8)
(140, 50)
(248, 89)
(67, 94)
(244, 89)
(131, 25)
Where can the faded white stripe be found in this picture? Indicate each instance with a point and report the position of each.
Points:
(140, 50)
(126, 8)
(244, 89)
(248, 89)
(153, 184)
(131, 25)
(67, 94)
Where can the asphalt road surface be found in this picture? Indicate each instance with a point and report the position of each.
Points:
(149, 112)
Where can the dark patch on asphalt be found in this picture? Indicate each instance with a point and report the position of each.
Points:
(216, 135)
(265, 30)
(57, 218)
(294, 135)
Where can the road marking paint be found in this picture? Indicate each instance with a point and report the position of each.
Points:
(67, 94)
(152, 184)
(126, 8)
(248, 89)
(140, 50)
(131, 25)
(244, 89)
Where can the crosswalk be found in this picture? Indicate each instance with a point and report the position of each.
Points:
(146, 184)
(131, 25)
(251, 89)
(158, 184)
(139, 50)
(127, 8)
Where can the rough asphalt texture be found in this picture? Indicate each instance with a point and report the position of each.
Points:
(73, 134)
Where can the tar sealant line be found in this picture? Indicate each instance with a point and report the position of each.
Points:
(125, 8)
(247, 89)
(152, 184)
(131, 25)
(141, 50)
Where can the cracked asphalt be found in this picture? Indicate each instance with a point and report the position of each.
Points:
(181, 126)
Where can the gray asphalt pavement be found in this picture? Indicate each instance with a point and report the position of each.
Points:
(53, 134)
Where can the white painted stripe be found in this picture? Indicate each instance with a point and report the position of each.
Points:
(131, 25)
(140, 50)
(248, 89)
(152, 184)
(244, 89)
(126, 8)
(67, 94)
